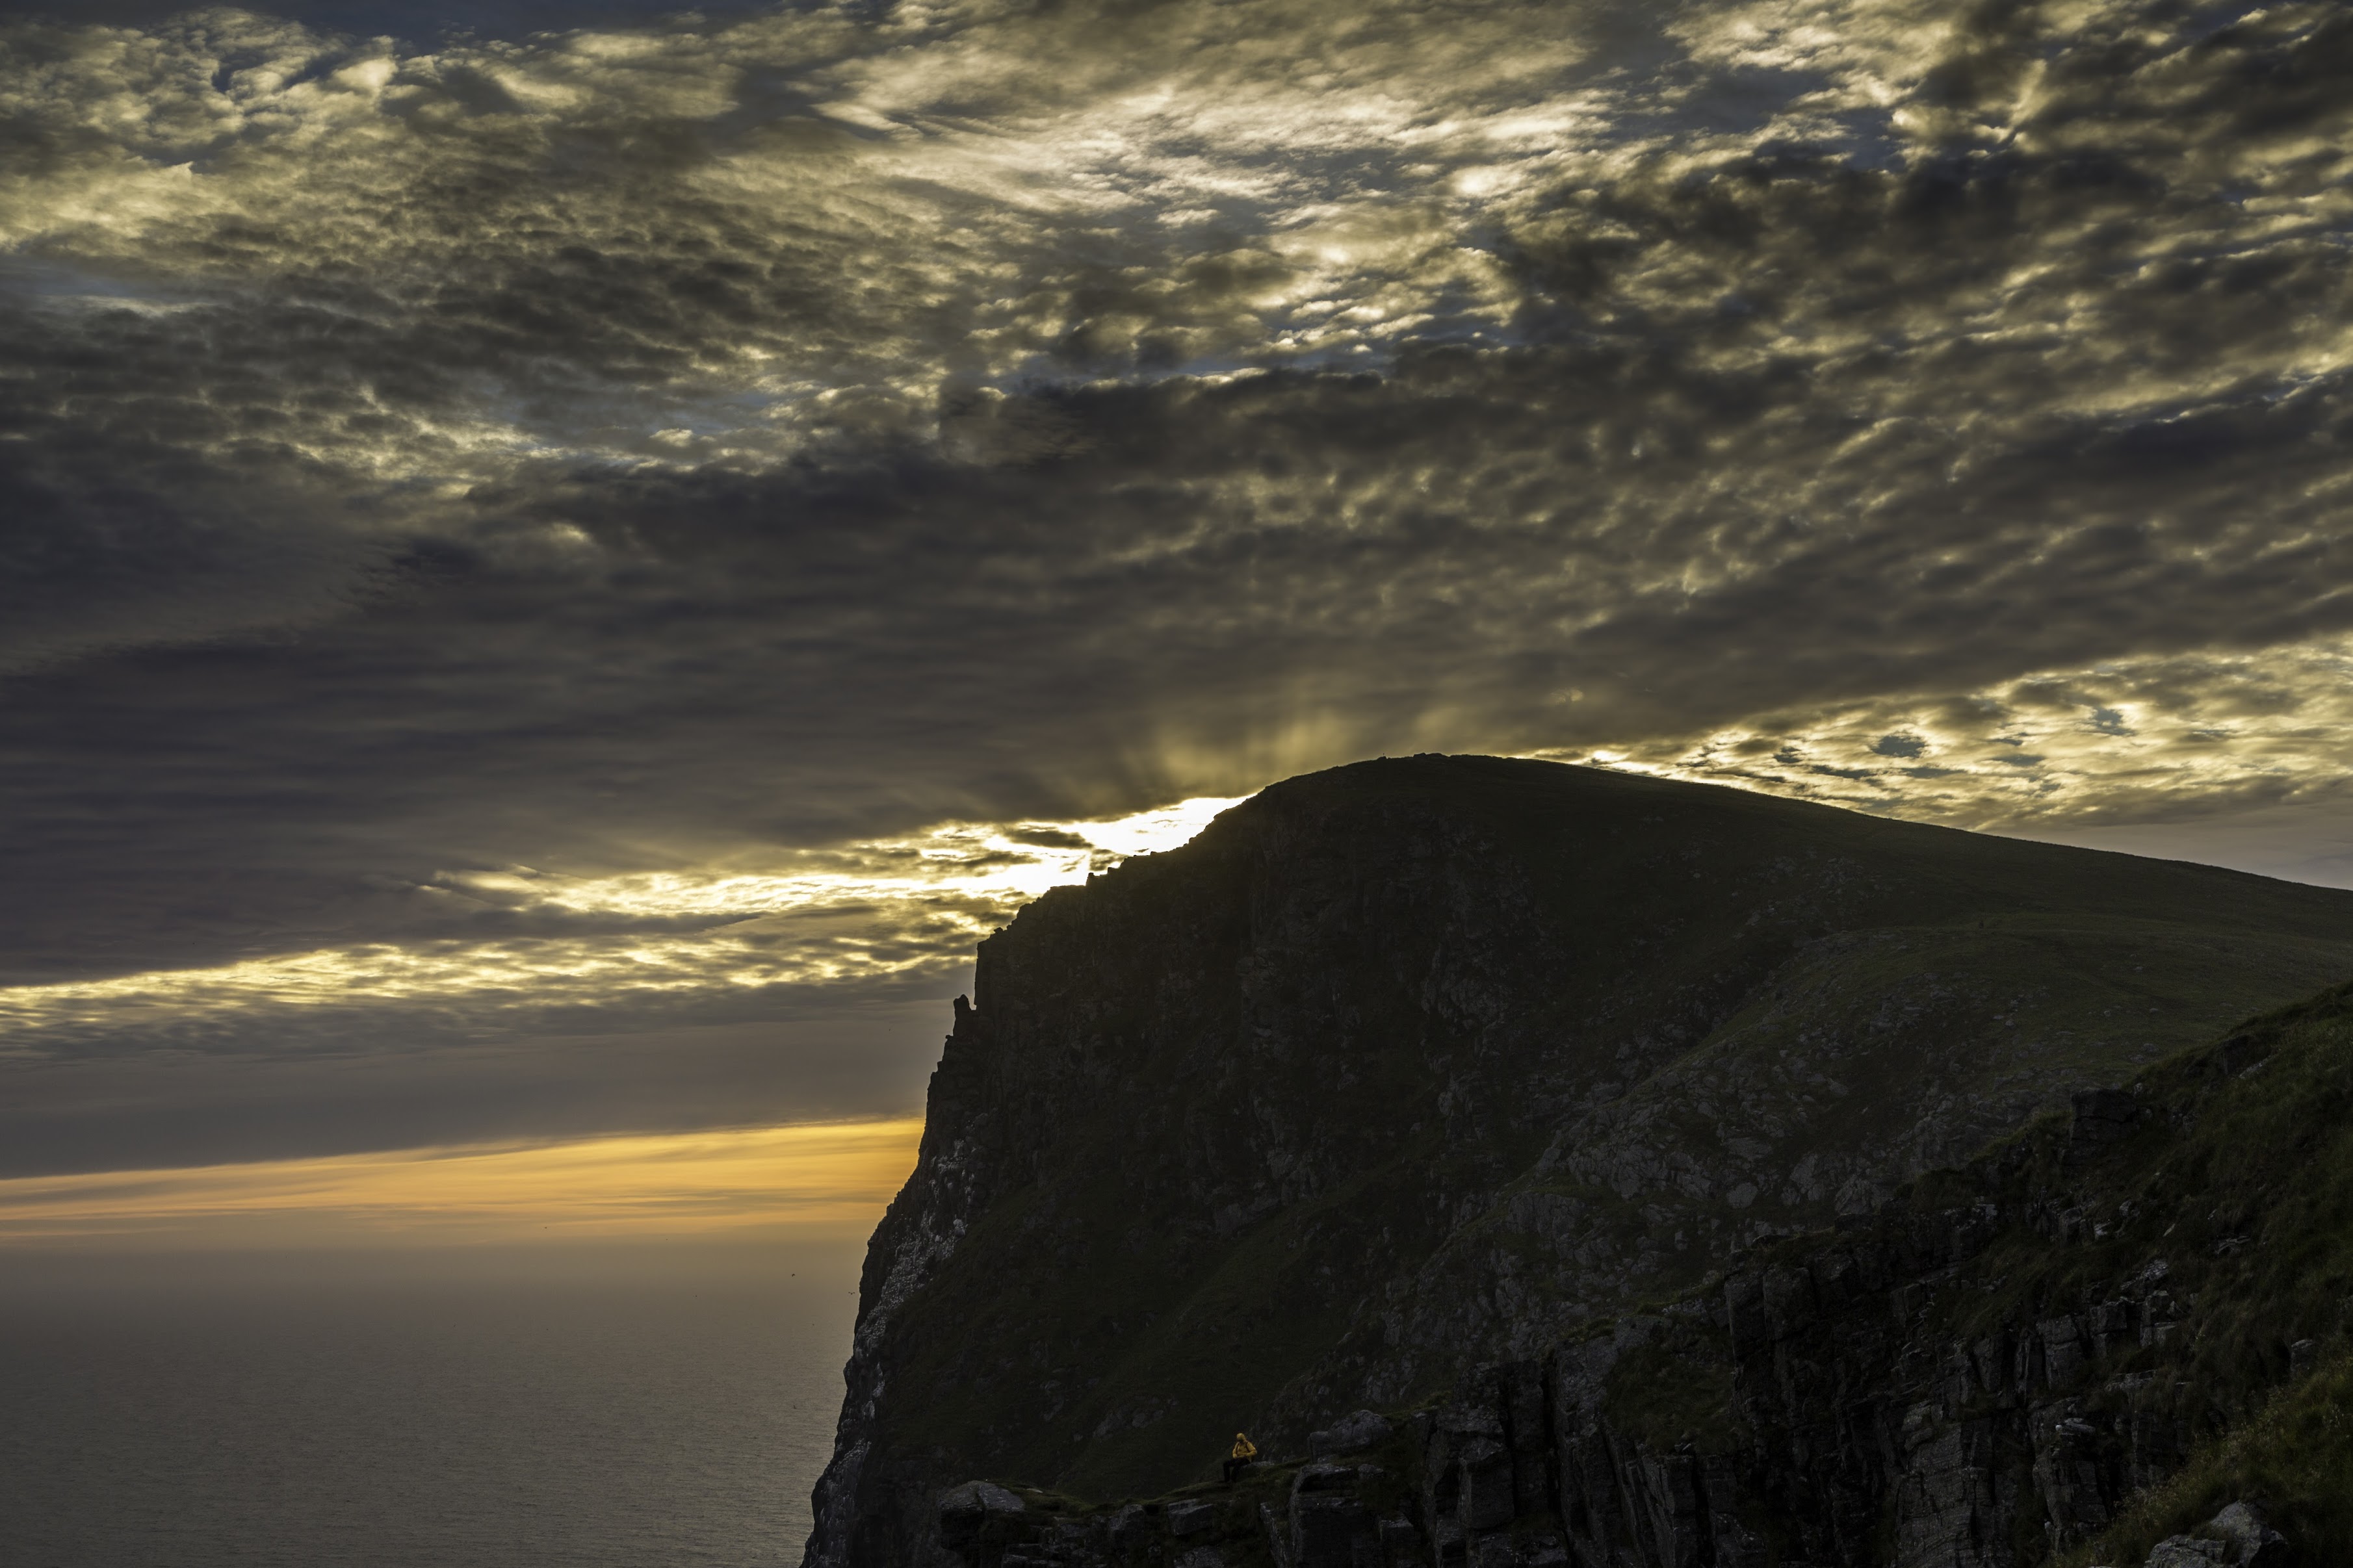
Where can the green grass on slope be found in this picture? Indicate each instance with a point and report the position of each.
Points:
(2239, 1181)
(2253, 1202)
(2242, 1186)
(1957, 1033)
(2295, 1459)
(1999, 1016)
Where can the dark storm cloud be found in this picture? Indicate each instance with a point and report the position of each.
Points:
(678, 449)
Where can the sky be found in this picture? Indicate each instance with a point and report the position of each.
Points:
(560, 565)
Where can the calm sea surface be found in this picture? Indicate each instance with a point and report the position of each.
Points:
(586, 1421)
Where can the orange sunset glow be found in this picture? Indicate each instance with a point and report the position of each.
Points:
(792, 1180)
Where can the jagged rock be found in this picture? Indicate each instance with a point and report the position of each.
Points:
(1483, 1479)
(1333, 1529)
(1130, 1527)
(1354, 1435)
(966, 1511)
(1324, 1477)
(1538, 1464)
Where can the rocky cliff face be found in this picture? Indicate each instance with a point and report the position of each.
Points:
(1418, 1064)
(2080, 1344)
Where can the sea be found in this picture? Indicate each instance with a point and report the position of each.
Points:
(586, 1411)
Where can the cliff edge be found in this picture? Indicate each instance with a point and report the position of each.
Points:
(1420, 1063)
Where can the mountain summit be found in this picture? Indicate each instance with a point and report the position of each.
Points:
(1422, 1063)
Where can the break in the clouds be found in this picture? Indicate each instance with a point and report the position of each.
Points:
(689, 458)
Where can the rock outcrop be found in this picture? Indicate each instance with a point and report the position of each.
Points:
(1387, 1087)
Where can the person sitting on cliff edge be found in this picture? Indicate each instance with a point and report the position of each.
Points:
(1244, 1452)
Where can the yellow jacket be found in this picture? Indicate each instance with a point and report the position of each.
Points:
(1244, 1447)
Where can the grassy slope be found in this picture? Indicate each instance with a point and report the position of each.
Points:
(2294, 1458)
(2001, 1014)
(2243, 1186)
(2267, 1164)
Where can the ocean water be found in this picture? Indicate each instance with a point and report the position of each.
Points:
(586, 1417)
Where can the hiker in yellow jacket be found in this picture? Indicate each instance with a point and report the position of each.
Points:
(1244, 1452)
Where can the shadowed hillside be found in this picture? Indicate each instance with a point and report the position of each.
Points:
(2123, 1335)
(1419, 1063)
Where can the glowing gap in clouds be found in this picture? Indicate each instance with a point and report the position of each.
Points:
(826, 1177)
(854, 912)
(983, 860)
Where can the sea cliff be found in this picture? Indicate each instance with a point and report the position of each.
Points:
(1435, 1064)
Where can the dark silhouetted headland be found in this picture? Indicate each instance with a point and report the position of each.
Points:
(1585, 1128)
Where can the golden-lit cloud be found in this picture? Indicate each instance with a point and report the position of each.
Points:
(858, 913)
(2125, 741)
(903, 211)
(770, 1181)
(998, 865)
(1667, 324)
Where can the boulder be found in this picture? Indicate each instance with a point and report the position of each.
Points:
(966, 1509)
(2252, 1542)
(1191, 1517)
(1400, 1542)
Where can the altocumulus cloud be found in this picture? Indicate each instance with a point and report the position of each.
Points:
(699, 449)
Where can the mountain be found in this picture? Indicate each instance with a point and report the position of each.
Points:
(1423, 1064)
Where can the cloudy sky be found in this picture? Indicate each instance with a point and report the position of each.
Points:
(559, 564)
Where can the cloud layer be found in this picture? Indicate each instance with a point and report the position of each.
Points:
(689, 449)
